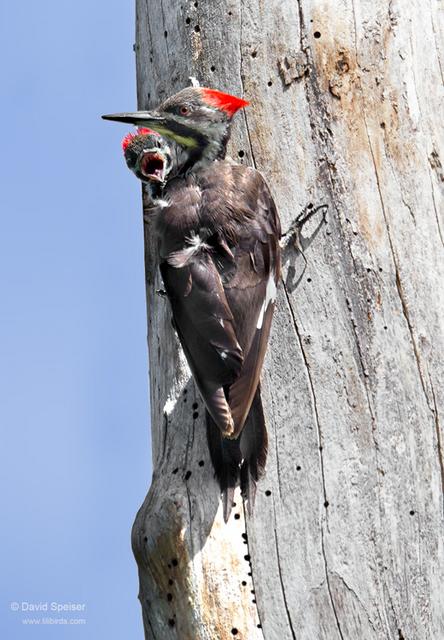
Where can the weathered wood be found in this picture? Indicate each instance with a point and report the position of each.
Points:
(346, 538)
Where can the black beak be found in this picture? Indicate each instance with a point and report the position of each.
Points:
(164, 125)
(138, 118)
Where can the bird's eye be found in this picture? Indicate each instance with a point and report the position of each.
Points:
(184, 111)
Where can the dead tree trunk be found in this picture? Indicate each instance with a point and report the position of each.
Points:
(346, 539)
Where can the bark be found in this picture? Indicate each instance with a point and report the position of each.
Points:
(346, 537)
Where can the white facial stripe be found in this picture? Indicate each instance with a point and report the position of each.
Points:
(270, 296)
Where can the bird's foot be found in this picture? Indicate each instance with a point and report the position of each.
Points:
(294, 239)
(294, 235)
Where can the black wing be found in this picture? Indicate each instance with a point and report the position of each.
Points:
(204, 323)
(221, 279)
(252, 235)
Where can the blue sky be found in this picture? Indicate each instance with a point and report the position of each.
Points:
(75, 459)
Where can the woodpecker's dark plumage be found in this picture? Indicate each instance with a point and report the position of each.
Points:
(219, 256)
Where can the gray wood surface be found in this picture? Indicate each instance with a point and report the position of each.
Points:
(346, 541)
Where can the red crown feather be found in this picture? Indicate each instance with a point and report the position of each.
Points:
(127, 140)
(228, 103)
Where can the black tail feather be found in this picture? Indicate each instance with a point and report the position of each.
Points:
(241, 460)
(226, 458)
(254, 449)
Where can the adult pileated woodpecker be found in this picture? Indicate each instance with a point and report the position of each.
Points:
(219, 252)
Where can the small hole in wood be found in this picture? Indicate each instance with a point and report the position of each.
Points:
(253, 54)
(234, 631)
(213, 68)
(195, 415)
(385, 328)
(326, 503)
(259, 626)
(196, 4)
(170, 582)
(380, 269)
(197, 28)
(233, 505)
(171, 622)
(165, 33)
(298, 468)
(201, 463)
(308, 279)
(252, 591)
(269, 83)
(145, 539)
(241, 153)
(249, 573)
(317, 34)
(268, 492)
(169, 597)
(185, 391)
(188, 20)
(247, 557)
(230, 13)
(244, 535)
(254, 601)
(244, 583)
(175, 470)
(310, 205)
(236, 516)
(174, 562)
(195, 405)
(188, 475)
(412, 513)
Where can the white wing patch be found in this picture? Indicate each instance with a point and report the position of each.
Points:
(161, 203)
(270, 296)
(194, 244)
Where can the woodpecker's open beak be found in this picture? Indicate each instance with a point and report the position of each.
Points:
(153, 165)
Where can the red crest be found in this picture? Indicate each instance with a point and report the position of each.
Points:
(127, 140)
(224, 101)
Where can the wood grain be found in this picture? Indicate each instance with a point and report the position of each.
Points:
(346, 539)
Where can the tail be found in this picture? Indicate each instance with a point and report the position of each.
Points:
(241, 460)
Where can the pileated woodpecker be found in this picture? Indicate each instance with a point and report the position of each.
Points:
(219, 256)
(149, 157)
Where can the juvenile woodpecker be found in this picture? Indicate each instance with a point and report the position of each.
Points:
(219, 258)
(149, 157)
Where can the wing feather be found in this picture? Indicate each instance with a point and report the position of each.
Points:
(205, 327)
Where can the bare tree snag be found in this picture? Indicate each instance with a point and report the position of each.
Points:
(346, 540)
